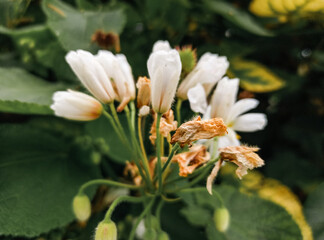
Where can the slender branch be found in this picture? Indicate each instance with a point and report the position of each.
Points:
(106, 182)
(120, 200)
(138, 220)
(158, 151)
(178, 109)
(139, 129)
(173, 151)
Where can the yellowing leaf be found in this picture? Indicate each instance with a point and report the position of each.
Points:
(273, 190)
(255, 77)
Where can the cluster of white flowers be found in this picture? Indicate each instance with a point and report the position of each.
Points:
(108, 77)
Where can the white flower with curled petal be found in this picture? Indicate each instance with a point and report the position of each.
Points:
(210, 69)
(223, 105)
(197, 99)
(164, 68)
(161, 45)
(119, 71)
(76, 106)
(91, 74)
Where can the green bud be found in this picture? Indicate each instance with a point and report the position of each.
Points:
(221, 219)
(81, 207)
(150, 234)
(163, 236)
(106, 231)
(96, 158)
(101, 146)
(188, 58)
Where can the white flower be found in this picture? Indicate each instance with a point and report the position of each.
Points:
(76, 106)
(164, 68)
(197, 99)
(119, 71)
(223, 105)
(210, 68)
(161, 45)
(91, 74)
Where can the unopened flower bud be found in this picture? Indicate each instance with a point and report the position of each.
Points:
(163, 236)
(106, 231)
(144, 91)
(96, 157)
(144, 110)
(150, 234)
(82, 207)
(221, 219)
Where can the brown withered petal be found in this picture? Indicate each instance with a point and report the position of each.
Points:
(144, 91)
(167, 124)
(106, 40)
(189, 161)
(198, 129)
(132, 170)
(243, 156)
(212, 176)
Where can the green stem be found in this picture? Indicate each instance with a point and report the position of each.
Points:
(117, 130)
(145, 176)
(139, 129)
(133, 112)
(106, 182)
(114, 113)
(178, 109)
(173, 151)
(145, 211)
(158, 212)
(158, 151)
(120, 200)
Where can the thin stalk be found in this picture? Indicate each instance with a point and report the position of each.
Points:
(138, 150)
(173, 151)
(178, 108)
(138, 220)
(120, 200)
(140, 137)
(115, 115)
(106, 182)
(158, 151)
(158, 212)
(117, 130)
(133, 113)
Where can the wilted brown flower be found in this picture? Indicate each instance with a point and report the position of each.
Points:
(198, 129)
(144, 91)
(167, 124)
(132, 170)
(189, 161)
(106, 40)
(243, 156)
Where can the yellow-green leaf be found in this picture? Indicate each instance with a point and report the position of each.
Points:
(255, 77)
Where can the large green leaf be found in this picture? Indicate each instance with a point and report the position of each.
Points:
(74, 29)
(38, 47)
(314, 212)
(251, 217)
(101, 128)
(22, 92)
(39, 176)
(238, 17)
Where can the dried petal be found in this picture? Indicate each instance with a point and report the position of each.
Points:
(198, 129)
(144, 91)
(212, 176)
(243, 156)
(167, 125)
(189, 161)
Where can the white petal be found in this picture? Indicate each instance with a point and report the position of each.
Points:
(250, 122)
(164, 68)
(240, 107)
(161, 45)
(127, 70)
(207, 113)
(144, 110)
(228, 140)
(197, 99)
(224, 97)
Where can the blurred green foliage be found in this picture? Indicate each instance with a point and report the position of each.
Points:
(43, 160)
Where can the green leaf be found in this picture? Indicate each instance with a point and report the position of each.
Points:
(37, 47)
(101, 128)
(255, 77)
(74, 29)
(196, 216)
(314, 211)
(39, 177)
(237, 17)
(251, 217)
(24, 93)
